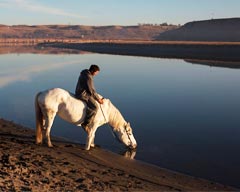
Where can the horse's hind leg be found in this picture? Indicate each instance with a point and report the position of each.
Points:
(48, 126)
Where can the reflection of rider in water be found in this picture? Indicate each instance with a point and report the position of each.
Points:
(85, 91)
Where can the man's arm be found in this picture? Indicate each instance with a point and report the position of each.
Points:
(91, 89)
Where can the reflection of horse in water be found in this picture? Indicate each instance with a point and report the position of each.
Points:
(60, 102)
(129, 153)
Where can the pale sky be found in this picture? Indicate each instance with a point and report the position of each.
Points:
(114, 12)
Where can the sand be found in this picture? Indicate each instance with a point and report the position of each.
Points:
(25, 166)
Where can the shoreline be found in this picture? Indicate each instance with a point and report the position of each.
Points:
(218, 51)
(67, 166)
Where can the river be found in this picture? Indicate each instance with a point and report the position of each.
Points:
(185, 117)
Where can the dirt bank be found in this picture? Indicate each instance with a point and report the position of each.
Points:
(68, 167)
(222, 51)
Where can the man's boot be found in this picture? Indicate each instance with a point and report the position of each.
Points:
(88, 119)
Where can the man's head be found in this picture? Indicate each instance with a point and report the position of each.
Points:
(94, 69)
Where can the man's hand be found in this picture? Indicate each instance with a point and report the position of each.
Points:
(100, 101)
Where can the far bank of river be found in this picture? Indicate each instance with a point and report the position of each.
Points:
(218, 51)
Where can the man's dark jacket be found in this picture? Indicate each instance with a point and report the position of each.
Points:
(85, 87)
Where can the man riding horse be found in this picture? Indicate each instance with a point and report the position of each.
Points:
(85, 91)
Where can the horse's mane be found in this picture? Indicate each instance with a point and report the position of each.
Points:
(115, 117)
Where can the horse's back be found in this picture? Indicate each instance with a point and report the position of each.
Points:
(51, 98)
(63, 103)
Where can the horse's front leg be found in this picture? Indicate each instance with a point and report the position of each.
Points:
(92, 144)
(90, 138)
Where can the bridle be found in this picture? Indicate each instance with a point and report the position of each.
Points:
(128, 134)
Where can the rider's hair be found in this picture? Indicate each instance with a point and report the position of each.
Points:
(94, 68)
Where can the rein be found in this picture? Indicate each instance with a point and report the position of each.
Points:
(107, 124)
(125, 127)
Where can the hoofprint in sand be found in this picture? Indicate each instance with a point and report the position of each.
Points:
(25, 166)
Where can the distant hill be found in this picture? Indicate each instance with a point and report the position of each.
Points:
(141, 32)
(208, 30)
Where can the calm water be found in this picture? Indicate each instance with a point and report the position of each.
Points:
(185, 117)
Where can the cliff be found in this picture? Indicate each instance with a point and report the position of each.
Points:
(208, 30)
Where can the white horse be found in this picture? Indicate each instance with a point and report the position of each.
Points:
(60, 102)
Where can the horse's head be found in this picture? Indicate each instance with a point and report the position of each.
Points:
(125, 135)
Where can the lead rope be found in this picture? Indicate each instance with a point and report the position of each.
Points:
(112, 130)
(108, 124)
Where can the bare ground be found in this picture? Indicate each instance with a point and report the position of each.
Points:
(25, 166)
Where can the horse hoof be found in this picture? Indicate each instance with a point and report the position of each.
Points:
(50, 146)
(87, 148)
(38, 143)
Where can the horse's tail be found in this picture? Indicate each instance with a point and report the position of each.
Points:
(39, 121)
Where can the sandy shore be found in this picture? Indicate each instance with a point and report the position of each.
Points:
(68, 167)
(219, 51)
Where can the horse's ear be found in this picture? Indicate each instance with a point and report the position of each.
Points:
(128, 124)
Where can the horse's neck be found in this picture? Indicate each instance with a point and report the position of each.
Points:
(115, 118)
